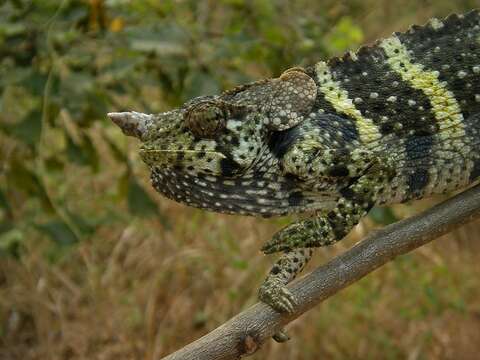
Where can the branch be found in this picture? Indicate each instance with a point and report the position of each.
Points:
(244, 333)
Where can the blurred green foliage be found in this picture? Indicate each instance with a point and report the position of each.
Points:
(65, 64)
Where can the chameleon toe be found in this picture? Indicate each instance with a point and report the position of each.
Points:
(276, 295)
(281, 336)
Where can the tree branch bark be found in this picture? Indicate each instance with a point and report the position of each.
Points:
(245, 333)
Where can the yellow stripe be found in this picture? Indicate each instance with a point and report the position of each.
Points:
(339, 99)
(446, 109)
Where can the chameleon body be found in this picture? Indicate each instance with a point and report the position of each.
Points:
(394, 121)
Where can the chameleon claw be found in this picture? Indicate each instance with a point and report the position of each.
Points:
(281, 336)
(275, 294)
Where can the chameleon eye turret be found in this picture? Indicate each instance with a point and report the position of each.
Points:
(205, 119)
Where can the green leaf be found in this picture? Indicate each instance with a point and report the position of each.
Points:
(344, 35)
(240, 264)
(59, 232)
(91, 153)
(85, 226)
(166, 39)
(200, 83)
(84, 153)
(4, 203)
(29, 129)
(35, 82)
(10, 242)
(117, 153)
(139, 202)
(97, 107)
(22, 178)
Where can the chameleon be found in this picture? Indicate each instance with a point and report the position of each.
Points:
(394, 121)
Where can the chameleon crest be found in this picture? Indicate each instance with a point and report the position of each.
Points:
(394, 121)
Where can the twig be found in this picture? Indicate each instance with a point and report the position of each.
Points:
(243, 334)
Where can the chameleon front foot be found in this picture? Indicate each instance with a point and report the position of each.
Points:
(274, 293)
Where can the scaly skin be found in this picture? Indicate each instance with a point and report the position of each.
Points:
(395, 121)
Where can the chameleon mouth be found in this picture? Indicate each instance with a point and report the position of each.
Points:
(208, 160)
(256, 195)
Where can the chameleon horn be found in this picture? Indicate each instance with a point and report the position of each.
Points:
(132, 123)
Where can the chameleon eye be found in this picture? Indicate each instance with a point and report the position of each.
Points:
(205, 119)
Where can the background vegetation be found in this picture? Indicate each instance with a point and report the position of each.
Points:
(95, 265)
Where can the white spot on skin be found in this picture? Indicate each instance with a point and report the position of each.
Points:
(358, 100)
(477, 98)
(374, 95)
(232, 124)
(392, 99)
(476, 69)
(436, 24)
(412, 102)
(461, 74)
(364, 73)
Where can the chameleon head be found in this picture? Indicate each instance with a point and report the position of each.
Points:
(206, 137)
(214, 152)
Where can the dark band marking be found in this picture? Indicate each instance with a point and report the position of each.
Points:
(295, 199)
(454, 51)
(281, 141)
(475, 173)
(417, 181)
(472, 131)
(338, 171)
(228, 167)
(383, 96)
(341, 131)
(419, 158)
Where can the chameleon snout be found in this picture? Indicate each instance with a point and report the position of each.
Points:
(132, 123)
